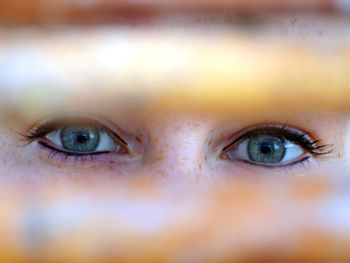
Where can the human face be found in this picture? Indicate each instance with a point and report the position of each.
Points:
(170, 103)
(176, 101)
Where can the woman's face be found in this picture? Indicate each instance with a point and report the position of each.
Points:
(230, 102)
(191, 146)
(196, 104)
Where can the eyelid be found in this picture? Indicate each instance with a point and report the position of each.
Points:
(42, 129)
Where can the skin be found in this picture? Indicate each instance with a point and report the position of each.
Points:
(178, 99)
(180, 112)
(175, 146)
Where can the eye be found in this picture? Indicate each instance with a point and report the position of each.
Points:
(78, 137)
(83, 139)
(273, 146)
(266, 149)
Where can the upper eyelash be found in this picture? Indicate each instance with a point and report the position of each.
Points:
(42, 129)
(301, 138)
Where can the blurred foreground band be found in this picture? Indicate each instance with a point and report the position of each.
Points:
(44, 12)
(301, 220)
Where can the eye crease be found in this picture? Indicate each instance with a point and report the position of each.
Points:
(79, 137)
(273, 146)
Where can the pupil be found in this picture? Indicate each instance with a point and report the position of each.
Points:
(82, 137)
(266, 148)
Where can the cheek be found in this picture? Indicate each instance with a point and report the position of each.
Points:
(30, 164)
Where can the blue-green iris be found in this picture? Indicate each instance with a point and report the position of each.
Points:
(80, 138)
(266, 148)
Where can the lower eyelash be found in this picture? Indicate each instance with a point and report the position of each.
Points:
(307, 158)
(65, 154)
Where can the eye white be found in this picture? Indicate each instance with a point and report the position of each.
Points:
(292, 151)
(106, 142)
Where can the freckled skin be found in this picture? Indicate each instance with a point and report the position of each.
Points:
(181, 146)
(175, 142)
(177, 138)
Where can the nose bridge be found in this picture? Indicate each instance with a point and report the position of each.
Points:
(177, 147)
